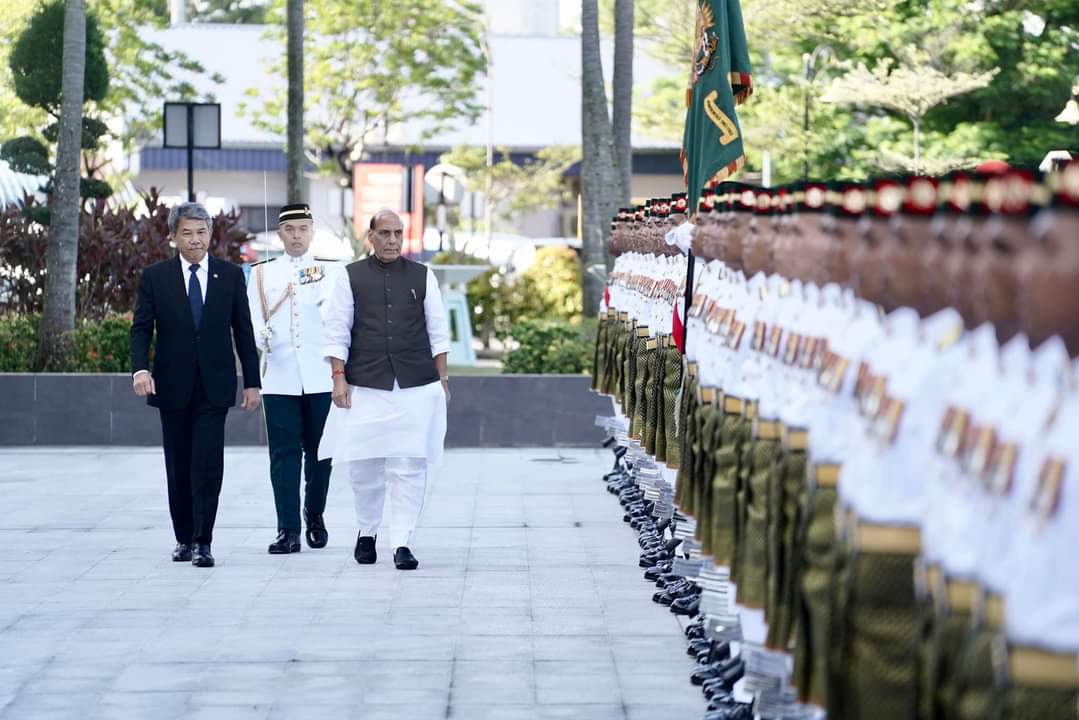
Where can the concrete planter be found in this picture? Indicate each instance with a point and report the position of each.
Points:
(486, 411)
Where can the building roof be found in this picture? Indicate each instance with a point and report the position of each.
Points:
(536, 93)
(14, 187)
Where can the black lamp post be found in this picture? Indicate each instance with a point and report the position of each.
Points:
(191, 125)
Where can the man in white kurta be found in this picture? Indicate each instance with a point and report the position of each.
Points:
(387, 339)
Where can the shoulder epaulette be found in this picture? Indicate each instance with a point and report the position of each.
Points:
(260, 262)
(327, 259)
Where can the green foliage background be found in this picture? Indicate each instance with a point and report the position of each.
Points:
(141, 71)
(1035, 43)
(95, 345)
(549, 290)
(551, 347)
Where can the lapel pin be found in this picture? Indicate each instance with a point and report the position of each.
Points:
(215, 274)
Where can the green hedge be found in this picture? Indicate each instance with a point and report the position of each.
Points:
(99, 346)
(551, 347)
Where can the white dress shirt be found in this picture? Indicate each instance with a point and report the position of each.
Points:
(203, 273)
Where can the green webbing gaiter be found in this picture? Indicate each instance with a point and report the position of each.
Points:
(881, 639)
(687, 429)
(1036, 703)
(975, 676)
(640, 384)
(793, 537)
(610, 379)
(661, 405)
(672, 380)
(652, 393)
(618, 360)
(753, 573)
(773, 567)
(926, 672)
(818, 571)
(629, 373)
(741, 492)
(598, 357)
(724, 488)
(836, 667)
(952, 631)
(708, 420)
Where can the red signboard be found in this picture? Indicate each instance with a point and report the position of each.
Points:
(395, 187)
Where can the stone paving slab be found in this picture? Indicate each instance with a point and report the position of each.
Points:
(528, 603)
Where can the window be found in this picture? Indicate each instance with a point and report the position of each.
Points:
(256, 218)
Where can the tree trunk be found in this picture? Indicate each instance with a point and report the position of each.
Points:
(622, 110)
(599, 175)
(58, 318)
(294, 12)
(916, 122)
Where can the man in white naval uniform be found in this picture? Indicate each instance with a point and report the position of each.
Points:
(386, 339)
(284, 294)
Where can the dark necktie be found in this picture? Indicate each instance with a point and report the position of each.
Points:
(194, 295)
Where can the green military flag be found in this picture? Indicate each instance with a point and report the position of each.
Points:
(719, 79)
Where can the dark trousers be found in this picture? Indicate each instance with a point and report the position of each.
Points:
(194, 443)
(294, 428)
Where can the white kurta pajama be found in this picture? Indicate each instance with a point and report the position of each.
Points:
(388, 437)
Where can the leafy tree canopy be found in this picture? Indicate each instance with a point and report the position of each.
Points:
(802, 48)
(512, 187)
(140, 71)
(36, 66)
(373, 68)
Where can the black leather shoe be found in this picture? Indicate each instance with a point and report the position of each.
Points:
(201, 557)
(688, 606)
(694, 631)
(182, 553)
(708, 673)
(316, 534)
(403, 559)
(365, 550)
(653, 573)
(724, 682)
(287, 542)
(697, 646)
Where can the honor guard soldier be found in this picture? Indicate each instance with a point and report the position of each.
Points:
(285, 294)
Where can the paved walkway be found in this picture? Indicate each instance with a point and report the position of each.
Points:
(527, 604)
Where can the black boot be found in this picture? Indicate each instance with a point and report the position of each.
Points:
(287, 542)
(316, 535)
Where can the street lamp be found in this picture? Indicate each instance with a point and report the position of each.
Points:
(191, 125)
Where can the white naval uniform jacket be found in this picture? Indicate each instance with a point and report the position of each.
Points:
(291, 342)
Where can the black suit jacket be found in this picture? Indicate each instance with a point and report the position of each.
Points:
(162, 306)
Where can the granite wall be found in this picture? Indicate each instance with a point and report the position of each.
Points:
(486, 411)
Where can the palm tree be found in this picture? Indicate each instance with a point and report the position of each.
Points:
(599, 175)
(294, 19)
(58, 317)
(622, 112)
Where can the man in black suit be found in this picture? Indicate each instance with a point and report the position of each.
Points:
(197, 305)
